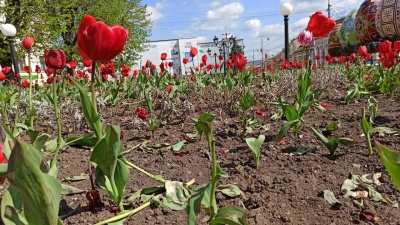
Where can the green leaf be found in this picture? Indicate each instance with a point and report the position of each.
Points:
(229, 83)
(230, 215)
(206, 118)
(91, 116)
(36, 187)
(332, 126)
(348, 142)
(246, 100)
(285, 129)
(365, 125)
(384, 130)
(290, 113)
(194, 205)
(68, 190)
(51, 145)
(391, 160)
(40, 141)
(87, 140)
(330, 197)
(302, 150)
(230, 189)
(255, 146)
(177, 147)
(83, 176)
(321, 137)
(176, 192)
(12, 212)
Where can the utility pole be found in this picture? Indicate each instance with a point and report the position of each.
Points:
(329, 9)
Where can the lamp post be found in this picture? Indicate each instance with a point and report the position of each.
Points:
(262, 51)
(286, 10)
(213, 56)
(225, 43)
(9, 31)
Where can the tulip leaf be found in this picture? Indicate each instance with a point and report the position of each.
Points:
(178, 146)
(195, 201)
(246, 100)
(12, 212)
(35, 187)
(230, 189)
(285, 129)
(391, 160)
(89, 111)
(230, 215)
(111, 173)
(255, 146)
(87, 140)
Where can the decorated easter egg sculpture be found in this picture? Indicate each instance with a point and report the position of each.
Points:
(388, 19)
(347, 35)
(365, 26)
(334, 46)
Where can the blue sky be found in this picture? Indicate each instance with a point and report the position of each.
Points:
(250, 20)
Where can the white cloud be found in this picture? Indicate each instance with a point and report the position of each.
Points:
(218, 19)
(155, 11)
(201, 39)
(254, 27)
(215, 4)
(339, 9)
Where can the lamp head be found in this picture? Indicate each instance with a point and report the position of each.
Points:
(215, 40)
(209, 52)
(286, 9)
(220, 51)
(8, 30)
(232, 39)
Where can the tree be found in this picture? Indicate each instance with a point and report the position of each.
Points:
(54, 23)
(236, 48)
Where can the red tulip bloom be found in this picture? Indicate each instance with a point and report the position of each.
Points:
(185, 60)
(169, 88)
(362, 51)
(99, 42)
(317, 57)
(148, 63)
(38, 69)
(26, 69)
(125, 71)
(67, 75)
(192, 78)
(204, 59)
(266, 55)
(385, 47)
(320, 25)
(27, 43)
(328, 58)
(221, 57)
(141, 113)
(2, 77)
(396, 45)
(87, 62)
(170, 64)
(25, 83)
(163, 56)
(49, 80)
(6, 69)
(240, 62)
(342, 59)
(193, 51)
(3, 159)
(153, 67)
(217, 65)
(71, 64)
(352, 57)
(348, 64)
(17, 76)
(55, 59)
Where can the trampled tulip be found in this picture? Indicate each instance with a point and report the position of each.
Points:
(99, 42)
(55, 59)
(320, 25)
(27, 43)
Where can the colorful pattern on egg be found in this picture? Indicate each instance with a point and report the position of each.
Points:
(388, 18)
(365, 26)
(347, 35)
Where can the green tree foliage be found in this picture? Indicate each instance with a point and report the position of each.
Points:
(236, 48)
(54, 23)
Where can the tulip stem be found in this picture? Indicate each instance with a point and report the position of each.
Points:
(93, 86)
(53, 164)
(31, 116)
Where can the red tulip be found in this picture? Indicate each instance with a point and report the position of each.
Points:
(193, 51)
(240, 62)
(71, 64)
(328, 58)
(260, 112)
(362, 51)
(185, 60)
(3, 159)
(25, 83)
(169, 88)
(87, 62)
(163, 56)
(26, 69)
(55, 59)
(352, 57)
(221, 57)
(170, 64)
(38, 69)
(320, 25)
(99, 42)
(2, 78)
(385, 47)
(204, 59)
(141, 113)
(342, 59)
(6, 69)
(396, 45)
(27, 43)
(317, 57)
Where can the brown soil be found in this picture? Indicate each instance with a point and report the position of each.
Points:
(285, 189)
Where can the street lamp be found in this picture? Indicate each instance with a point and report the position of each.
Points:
(213, 56)
(9, 31)
(225, 42)
(286, 10)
